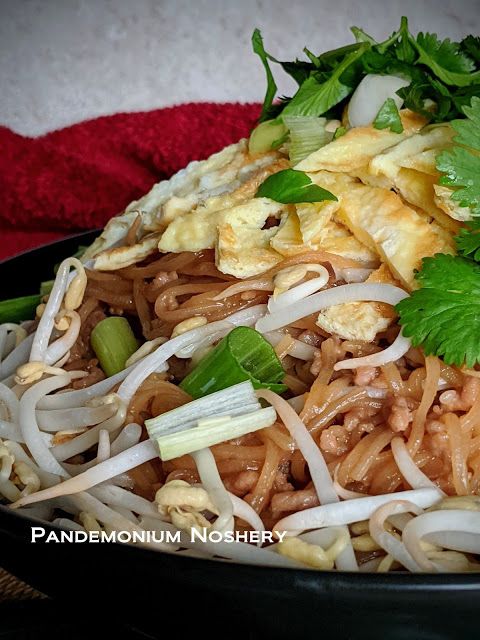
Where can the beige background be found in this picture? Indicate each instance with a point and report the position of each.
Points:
(62, 61)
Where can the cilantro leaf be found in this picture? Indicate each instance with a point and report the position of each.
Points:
(443, 316)
(446, 60)
(292, 186)
(468, 240)
(388, 117)
(315, 98)
(258, 48)
(462, 166)
(471, 46)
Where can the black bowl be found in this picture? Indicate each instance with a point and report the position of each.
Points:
(147, 589)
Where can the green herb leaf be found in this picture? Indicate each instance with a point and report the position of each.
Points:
(446, 60)
(433, 315)
(468, 240)
(362, 36)
(443, 316)
(471, 46)
(462, 166)
(388, 117)
(339, 132)
(314, 97)
(258, 48)
(290, 187)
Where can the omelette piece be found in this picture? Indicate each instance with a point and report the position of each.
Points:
(389, 163)
(113, 234)
(312, 218)
(124, 256)
(244, 251)
(419, 189)
(198, 230)
(360, 320)
(230, 170)
(425, 161)
(338, 240)
(383, 222)
(333, 237)
(359, 145)
(444, 201)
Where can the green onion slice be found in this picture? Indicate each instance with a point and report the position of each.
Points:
(113, 342)
(243, 354)
(209, 432)
(307, 134)
(18, 309)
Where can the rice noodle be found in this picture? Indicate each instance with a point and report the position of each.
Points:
(298, 349)
(395, 351)
(432, 368)
(318, 469)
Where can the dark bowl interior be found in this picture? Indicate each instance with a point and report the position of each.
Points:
(147, 587)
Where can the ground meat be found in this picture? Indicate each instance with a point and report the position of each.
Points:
(451, 400)
(365, 375)
(335, 440)
(400, 415)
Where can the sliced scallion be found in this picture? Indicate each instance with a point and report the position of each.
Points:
(113, 342)
(46, 287)
(18, 309)
(307, 134)
(266, 136)
(213, 431)
(233, 401)
(243, 354)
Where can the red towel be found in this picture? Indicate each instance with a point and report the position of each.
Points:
(77, 178)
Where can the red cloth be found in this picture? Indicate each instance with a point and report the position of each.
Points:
(77, 178)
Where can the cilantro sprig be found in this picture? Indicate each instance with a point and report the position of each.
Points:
(460, 165)
(443, 315)
(442, 71)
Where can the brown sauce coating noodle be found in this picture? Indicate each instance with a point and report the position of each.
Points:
(352, 428)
